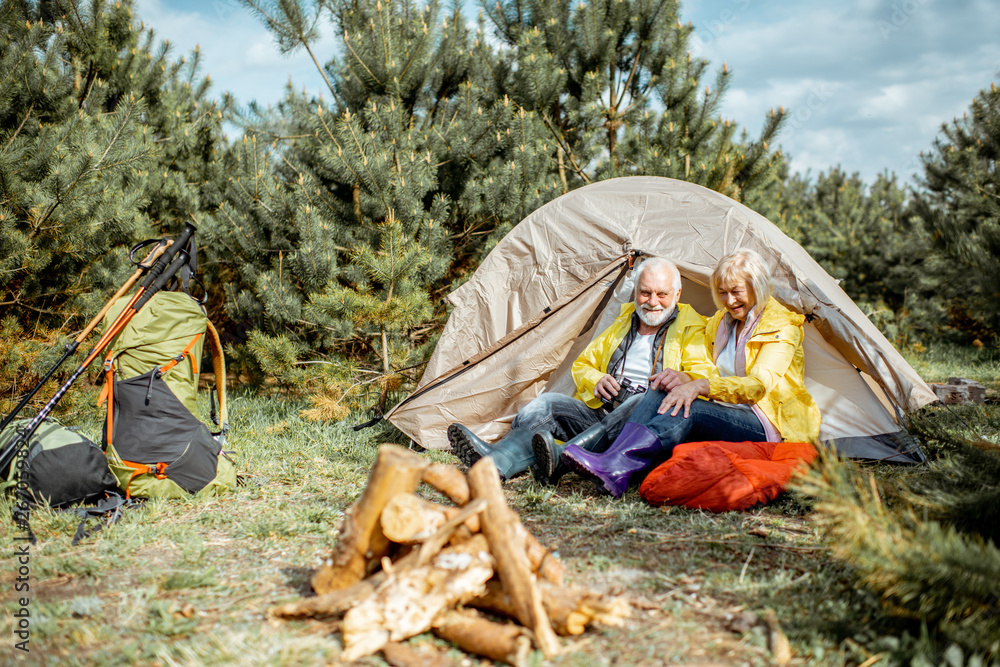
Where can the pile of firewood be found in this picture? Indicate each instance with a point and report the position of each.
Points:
(404, 565)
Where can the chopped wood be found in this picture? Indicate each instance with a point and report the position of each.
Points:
(573, 610)
(500, 642)
(403, 565)
(507, 543)
(445, 533)
(570, 610)
(409, 599)
(543, 563)
(449, 480)
(333, 603)
(361, 543)
(958, 391)
(409, 518)
(777, 642)
(404, 655)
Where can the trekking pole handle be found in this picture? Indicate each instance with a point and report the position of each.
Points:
(152, 256)
(168, 254)
(143, 266)
(180, 259)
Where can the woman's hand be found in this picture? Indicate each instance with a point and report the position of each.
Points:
(667, 379)
(682, 396)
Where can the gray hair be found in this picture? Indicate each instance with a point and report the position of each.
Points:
(657, 263)
(744, 265)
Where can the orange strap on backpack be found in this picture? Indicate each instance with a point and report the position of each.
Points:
(165, 368)
(159, 471)
(107, 393)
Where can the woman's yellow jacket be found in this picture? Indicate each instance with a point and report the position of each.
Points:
(775, 378)
(683, 350)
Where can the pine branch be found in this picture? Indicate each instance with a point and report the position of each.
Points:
(24, 120)
(562, 143)
(920, 567)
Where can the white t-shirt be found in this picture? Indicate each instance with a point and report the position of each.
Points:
(726, 363)
(639, 359)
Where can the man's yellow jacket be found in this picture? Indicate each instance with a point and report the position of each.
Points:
(683, 350)
(775, 378)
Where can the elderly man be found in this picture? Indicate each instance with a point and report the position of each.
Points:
(654, 341)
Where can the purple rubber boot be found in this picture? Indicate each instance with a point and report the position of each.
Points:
(636, 449)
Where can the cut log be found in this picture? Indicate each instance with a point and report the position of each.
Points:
(446, 532)
(339, 601)
(506, 537)
(472, 633)
(409, 518)
(570, 610)
(449, 480)
(543, 563)
(329, 604)
(409, 599)
(403, 655)
(361, 543)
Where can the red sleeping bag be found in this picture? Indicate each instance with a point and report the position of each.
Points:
(722, 476)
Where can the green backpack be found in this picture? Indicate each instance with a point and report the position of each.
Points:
(155, 445)
(61, 467)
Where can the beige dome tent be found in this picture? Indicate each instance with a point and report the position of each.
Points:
(557, 279)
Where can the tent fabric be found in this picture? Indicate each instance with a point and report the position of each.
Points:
(548, 287)
(724, 476)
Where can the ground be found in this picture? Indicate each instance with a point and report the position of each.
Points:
(191, 582)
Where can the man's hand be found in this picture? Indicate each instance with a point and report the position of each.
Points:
(607, 387)
(682, 397)
(667, 379)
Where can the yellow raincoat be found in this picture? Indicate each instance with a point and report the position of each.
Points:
(775, 378)
(683, 350)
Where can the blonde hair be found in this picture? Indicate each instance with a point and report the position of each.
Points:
(744, 265)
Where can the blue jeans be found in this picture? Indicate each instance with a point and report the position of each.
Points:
(566, 417)
(709, 420)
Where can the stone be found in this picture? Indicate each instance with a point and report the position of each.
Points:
(959, 390)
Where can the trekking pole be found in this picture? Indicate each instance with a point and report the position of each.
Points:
(159, 275)
(144, 265)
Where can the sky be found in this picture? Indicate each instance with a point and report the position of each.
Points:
(867, 83)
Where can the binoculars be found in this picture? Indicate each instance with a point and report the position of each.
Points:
(628, 389)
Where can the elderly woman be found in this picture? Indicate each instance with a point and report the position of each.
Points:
(758, 394)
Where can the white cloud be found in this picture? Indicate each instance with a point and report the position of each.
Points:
(237, 51)
(859, 94)
(894, 100)
(884, 91)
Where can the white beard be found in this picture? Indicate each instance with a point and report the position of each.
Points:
(653, 317)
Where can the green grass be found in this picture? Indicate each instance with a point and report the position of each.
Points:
(190, 582)
(939, 363)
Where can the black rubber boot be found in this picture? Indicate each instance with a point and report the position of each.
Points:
(512, 453)
(549, 467)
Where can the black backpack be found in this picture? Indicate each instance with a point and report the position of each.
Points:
(52, 452)
(60, 467)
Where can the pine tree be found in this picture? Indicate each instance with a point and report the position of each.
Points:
(388, 304)
(71, 173)
(958, 201)
(925, 543)
(615, 86)
(398, 170)
(867, 238)
(103, 141)
(425, 122)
